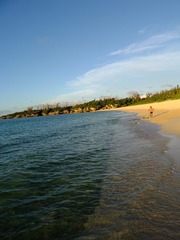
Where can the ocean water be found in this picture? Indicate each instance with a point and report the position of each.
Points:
(102, 175)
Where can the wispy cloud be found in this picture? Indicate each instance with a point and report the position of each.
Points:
(77, 95)
(154, 42)
(43, 40)
(142, 31)
(143, 64)
(167, 86)
(133, 73)
(4, 112)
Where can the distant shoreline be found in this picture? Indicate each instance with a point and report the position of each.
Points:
(111, 103)
(167, 114)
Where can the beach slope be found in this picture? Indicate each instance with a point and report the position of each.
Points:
(166, 114)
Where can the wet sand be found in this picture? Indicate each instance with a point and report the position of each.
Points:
(166, 114)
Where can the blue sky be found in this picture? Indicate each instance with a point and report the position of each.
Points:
(79, 50)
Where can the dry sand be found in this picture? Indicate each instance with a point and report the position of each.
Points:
(167, 114)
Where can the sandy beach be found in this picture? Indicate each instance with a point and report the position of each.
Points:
(166, 114)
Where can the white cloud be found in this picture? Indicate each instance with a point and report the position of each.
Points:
(135, 73)
(120, 75)
(76, 95)
(145, 64)
(142, 31)
(154, 42)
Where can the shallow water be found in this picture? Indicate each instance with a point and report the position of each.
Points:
(103, 175)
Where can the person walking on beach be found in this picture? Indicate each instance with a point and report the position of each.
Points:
(151, 111)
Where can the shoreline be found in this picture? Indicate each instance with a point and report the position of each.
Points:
(166, 114)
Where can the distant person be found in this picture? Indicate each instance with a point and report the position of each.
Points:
(151, 111)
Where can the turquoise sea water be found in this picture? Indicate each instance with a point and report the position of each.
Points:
(102, 175)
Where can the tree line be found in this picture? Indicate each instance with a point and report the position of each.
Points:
(95, 105)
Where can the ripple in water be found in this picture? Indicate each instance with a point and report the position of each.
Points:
(86, 176)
